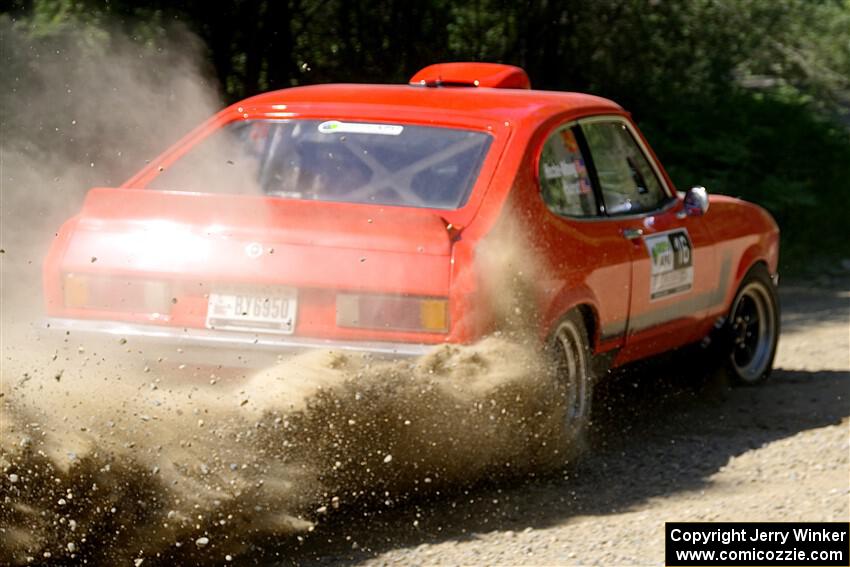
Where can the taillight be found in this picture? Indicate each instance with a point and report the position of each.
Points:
(392, 312)
(104, 293)
(76, 289)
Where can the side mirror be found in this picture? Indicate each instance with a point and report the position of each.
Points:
(696, 201)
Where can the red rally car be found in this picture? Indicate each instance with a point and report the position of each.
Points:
(350, 216)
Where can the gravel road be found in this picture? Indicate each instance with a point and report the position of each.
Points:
(664, 448)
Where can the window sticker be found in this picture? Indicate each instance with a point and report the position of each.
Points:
(560, 170)
(564, 182)
(583, 177)
(672, 269)
(569, 140)
(337, 127)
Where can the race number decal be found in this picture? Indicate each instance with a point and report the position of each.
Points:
(671, 254)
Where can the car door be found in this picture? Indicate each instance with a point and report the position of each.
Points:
(590, 262)
(673, 265)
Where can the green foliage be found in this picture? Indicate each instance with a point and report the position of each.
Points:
(773, 151)
(749, 97)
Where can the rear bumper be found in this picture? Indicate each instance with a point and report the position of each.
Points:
(231, 341)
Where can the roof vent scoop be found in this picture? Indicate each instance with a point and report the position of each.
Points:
(493, 75)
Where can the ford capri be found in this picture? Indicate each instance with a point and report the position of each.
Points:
(353, 218)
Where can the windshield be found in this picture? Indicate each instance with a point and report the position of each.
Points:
(351, 162)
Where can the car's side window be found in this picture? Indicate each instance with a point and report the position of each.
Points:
(564, 181)
(627, 181)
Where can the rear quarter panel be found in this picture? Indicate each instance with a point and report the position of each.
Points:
(554, 260)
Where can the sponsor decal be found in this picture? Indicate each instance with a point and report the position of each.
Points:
(337, 127)
(569, 140)
(583, 177)
(560, 170)
(672, 270)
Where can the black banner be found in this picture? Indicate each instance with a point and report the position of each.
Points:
(764, 544)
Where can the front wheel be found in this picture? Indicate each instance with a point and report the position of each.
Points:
(753, 329)
(571, 359)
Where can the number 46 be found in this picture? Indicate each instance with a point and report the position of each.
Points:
(682, 248)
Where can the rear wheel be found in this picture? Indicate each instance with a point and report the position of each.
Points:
(571, 359)
(753, 329)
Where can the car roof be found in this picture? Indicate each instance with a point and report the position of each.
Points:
(478, 102)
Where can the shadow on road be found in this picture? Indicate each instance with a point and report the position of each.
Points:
(654, 436)
(804, 305)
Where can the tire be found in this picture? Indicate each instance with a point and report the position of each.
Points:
(569, 350)
(752, 329)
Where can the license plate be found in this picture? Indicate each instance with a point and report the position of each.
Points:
(273, 313)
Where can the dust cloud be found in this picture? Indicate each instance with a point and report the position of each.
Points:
(84, 106)
(117, 453)
(156, 468)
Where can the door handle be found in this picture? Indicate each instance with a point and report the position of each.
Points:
(632, 233)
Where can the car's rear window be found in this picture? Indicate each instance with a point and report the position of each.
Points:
(330, 160)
